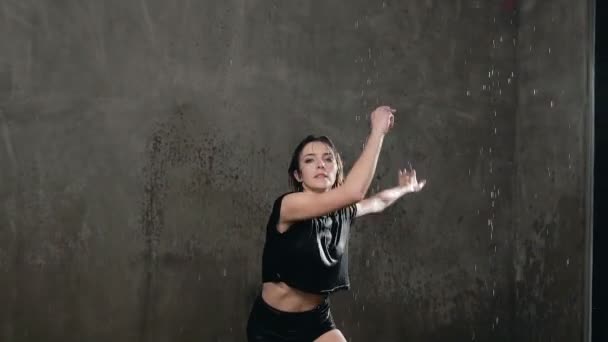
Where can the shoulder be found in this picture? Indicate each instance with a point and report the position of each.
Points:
(276, 204)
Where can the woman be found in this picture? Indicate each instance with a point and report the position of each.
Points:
(305, 255)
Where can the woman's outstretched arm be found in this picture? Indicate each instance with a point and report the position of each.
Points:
(304, 205)
(380, 201)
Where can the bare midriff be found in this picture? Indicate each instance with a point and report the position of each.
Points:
(285, 298)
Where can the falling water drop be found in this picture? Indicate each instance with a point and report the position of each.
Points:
(568, 262)
(552, 104)
(468, 93)
(534, 91)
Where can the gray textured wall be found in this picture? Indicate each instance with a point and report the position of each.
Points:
(144, 141)
(551, 170)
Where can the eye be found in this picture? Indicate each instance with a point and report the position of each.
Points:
(329, 159)
(308, 160)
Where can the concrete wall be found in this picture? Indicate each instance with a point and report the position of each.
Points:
(144, 141)
(551, 170)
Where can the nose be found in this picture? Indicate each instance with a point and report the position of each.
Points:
(321, 164)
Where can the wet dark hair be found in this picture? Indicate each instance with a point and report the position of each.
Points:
(294, 165)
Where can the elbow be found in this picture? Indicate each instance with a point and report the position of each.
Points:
(357, 195)
(354, 192)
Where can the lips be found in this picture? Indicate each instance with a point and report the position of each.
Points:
(321, 175)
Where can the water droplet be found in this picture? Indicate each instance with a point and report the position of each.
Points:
(500, 39)
(549, 50)
(225, 272)
(552, 104)
(468, 93)
(383, 4)
(568, 261)
(356, 23)
(534, 91)
(475, 267)
(509, 80)
(496, 320)
(484, 87)
(495, 131)
(369, 81)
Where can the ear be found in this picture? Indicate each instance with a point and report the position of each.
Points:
(296, 175)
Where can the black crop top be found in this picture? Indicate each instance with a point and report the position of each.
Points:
(312, 255)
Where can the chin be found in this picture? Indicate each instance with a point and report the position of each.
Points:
(319, 187)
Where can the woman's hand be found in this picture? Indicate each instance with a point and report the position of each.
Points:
(408, 181)
(382, 119)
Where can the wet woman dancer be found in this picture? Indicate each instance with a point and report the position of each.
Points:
(305, 256)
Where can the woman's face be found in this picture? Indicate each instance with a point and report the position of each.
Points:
(318, 167)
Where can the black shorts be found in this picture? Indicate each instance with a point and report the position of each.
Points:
(268, 324)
